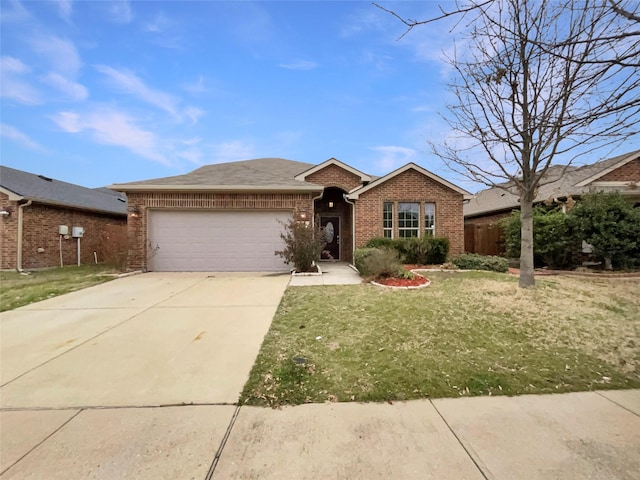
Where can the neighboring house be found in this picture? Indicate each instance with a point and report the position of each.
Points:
(225, 217)
(34, 207)
(561, 184)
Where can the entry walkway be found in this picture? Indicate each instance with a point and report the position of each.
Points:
(338, 273)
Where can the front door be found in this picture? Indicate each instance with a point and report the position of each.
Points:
(331, 226)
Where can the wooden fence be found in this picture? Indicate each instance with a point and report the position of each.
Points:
(485, 239)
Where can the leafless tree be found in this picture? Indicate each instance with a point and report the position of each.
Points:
(536, 82)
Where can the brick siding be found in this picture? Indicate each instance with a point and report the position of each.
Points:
(626, 173)
(335, 176)
(487, 219)
(8, 234)
(137, 231)
(411, 186)
(40, 232)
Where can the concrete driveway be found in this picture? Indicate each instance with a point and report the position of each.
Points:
(142, 341)
(145, 340)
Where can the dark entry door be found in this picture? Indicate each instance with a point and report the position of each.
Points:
(331, 227)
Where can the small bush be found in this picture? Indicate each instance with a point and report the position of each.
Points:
(303, 242)
(473, 261)
(377, 262)
(415, 250)
(439, 251)
(383, 263)
(381, 242)
(112, 246)
(359, 257)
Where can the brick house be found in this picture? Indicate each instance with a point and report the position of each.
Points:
(561, 184)
(225, 217)
(34, 207)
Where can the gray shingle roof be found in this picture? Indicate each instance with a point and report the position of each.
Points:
(50, 191)
(247, 174)
(560, 181)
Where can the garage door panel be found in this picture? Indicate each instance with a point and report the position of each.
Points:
(208, 240)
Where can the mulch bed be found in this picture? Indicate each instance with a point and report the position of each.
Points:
(403, 282)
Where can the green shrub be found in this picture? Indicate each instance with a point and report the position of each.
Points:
(473, 261)
(377, 262)
(359, 257)
(439, 251)
(303, 244)
(611, 224)
(423, 250)
(554, 238)
(381, 242)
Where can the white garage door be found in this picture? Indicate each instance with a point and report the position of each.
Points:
(213, 241)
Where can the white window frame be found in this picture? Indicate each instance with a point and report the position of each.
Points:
(387, 223)
(402, 227)
(429, 218)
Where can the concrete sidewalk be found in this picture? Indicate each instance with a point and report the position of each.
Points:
(333, 273)
(565, 436)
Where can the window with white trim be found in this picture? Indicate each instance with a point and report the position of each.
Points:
(430, 219)
(408, 219)
(387, 219)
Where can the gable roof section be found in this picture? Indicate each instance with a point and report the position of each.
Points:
(333, 161)
(354, 194)
(269, 174)
(560, 181)
(609, 166)
(20, 185)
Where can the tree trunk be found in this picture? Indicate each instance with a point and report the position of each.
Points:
(526, 244)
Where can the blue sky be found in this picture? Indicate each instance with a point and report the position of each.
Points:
(96, 93)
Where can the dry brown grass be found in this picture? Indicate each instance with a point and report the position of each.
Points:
(472, 333)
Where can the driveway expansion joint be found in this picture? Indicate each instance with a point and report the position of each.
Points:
(464, 447)
(40, 443)
(223, 442)
(616, 403)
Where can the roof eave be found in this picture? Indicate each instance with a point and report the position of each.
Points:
(216, 188)
(333, 161)
(354, 195)
(632, 156)
(55, 203)
(13, 196)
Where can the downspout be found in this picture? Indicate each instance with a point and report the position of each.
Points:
(19, 256)
(353, 224)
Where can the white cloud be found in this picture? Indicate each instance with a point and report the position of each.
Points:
(233, 151)
(131, 84)
(159, 24)
(392, 157)
(70, 88)
(192, 155)
(13, 11)
(65, 8)
(193, 113)
(13, 86)
(120, 11)
(197, 88)
(192, 141)
(13, 65)
(61, 54)
(110, 127)
(12, 133)
(300, 65)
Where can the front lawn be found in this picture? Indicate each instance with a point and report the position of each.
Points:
(473, 333)
(17, 290)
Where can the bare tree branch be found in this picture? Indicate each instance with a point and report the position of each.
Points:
(538, 81)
